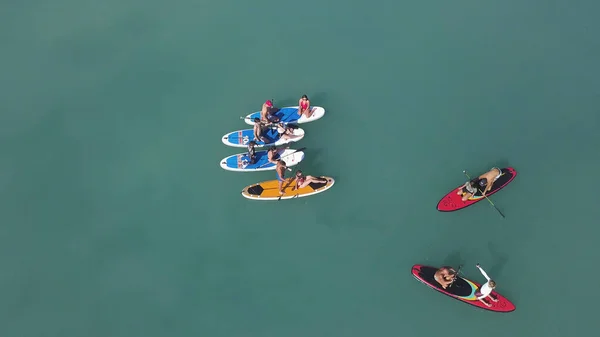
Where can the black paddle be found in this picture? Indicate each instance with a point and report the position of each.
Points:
(488, 199)
(455, 276)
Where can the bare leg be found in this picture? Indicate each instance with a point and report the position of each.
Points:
(484, 302)
(281, 186)
(316, 180)
(466, 196)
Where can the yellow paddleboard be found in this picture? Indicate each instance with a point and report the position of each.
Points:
(269, 190)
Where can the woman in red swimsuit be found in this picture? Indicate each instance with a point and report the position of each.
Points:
(304, 107)
(303, 181)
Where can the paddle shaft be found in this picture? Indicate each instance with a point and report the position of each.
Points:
(485, 196)
(455, 276)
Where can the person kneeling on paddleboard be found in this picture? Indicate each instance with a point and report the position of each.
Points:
(267, 114)
(445, 276)
(273, 155)
(486, 289)
(303, 181)
(482, 183)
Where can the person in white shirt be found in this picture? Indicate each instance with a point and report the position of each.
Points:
(486, 289)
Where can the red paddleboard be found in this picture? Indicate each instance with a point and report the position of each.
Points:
(453, 202)
(462, 290)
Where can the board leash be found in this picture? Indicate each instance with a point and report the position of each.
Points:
(485, 196)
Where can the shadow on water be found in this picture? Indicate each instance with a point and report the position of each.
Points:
(501, 163)
(454, 259)
(499, 260)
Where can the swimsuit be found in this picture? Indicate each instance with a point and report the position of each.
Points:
(303, 105)
(300, 180)
(499, 174)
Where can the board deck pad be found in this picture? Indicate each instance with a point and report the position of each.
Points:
(241, 162)
(241, 138)
(290, 115)
(269, 190)
(462, 289)
(453, 202)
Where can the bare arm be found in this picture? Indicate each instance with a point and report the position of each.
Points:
(483, 273)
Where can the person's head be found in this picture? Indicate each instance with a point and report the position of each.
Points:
(304, 97)
(256, 120)
(252, 143)
(299, 173)
(269, 103)
(281, 163)
(483, 182)
(272, 148)
(492, 284)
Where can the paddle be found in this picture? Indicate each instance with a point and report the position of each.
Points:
(488, 199)
(455, 276)
(289, 169)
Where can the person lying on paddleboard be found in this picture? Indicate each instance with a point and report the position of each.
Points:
(280, 169)
(303, 181)
(445, 276)
(267, 114)
(252, 151)
(259, 127)
(286, 132)
(486, 289)
(484, 183)
(304, 106)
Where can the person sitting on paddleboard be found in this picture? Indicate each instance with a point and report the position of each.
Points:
(486, 289)
(258, 131)
(483, 183)
(267, 114)
(303, 181)
(304, 107)
(252, 152)
(273, 155)
(280, 169)
(445, 276)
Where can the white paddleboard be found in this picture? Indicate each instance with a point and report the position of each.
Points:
(241, 162)
(290, 115)
(241, 138)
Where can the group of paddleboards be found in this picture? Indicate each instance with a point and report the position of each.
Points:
(446, 279)
(268, 144)
(275, 129)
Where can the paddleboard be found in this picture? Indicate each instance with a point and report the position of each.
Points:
(290, 115)
(241, 138)
(269, 190)
(241, 162)
(462, 289)
(453, 202)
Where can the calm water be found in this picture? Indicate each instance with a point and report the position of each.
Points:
(117, 220)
